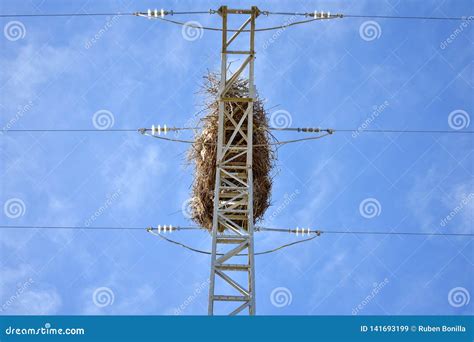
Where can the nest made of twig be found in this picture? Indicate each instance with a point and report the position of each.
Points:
(203, 154)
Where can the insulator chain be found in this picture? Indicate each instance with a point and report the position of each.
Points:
(162, 229)
(157, 130)
(327, 15)
(302, 231)
(154, 13)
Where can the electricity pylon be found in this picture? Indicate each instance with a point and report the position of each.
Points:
(233, 192)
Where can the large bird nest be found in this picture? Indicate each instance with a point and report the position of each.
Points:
(203, 153)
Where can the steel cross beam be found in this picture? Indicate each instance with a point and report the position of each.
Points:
(233, 226)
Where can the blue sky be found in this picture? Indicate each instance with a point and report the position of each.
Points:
(60, 71)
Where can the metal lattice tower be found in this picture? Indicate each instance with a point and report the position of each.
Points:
(233, 192)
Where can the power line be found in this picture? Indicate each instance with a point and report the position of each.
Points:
(160, 15)
(316, 233)
(303, 14)
(268, 251)
(13, 15)
(357, 232)
(73, 130)
(296, 129)
(93, 228)
(64, 15)
(302, 231)
(285, 142)
(96, 130)
(271, 28)
(368, 16)
(404, 17)
(276, 143)
(316, 130)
